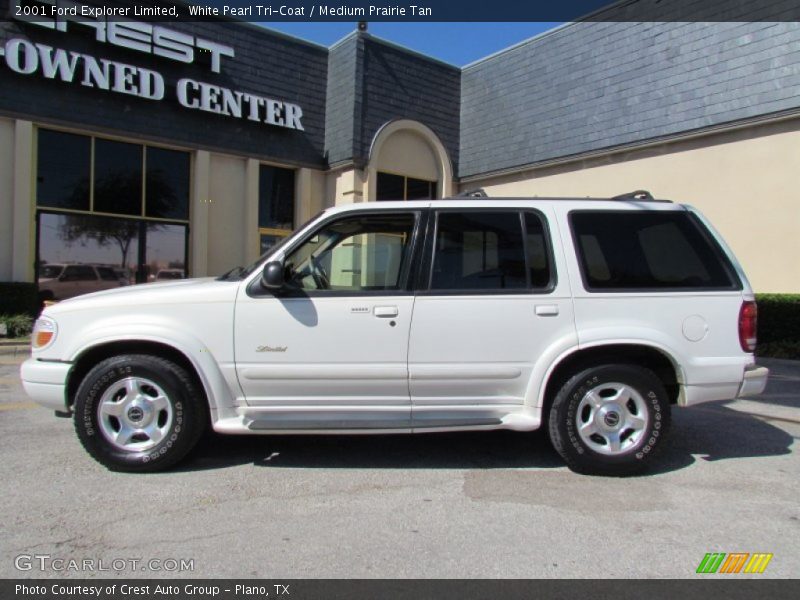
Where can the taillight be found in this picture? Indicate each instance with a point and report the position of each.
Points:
(748, 320)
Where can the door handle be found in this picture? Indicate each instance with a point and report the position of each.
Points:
(546, 310)
(385, 312)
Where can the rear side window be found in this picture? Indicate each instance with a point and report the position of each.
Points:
(490, 250)
(625, 250)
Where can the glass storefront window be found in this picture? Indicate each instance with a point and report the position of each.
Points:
(76, 252)
(391, 187)
(117, 177)
(275, 198)
(400, 187)
(419, 189)
(165, 253)
(64, 167)
(276, 193)
(80, 251)
(167, 184)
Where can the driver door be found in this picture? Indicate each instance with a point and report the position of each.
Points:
(330, 349)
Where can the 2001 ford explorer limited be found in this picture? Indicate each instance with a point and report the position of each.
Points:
(591, 318)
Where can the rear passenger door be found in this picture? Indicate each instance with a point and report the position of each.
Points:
(489, 305)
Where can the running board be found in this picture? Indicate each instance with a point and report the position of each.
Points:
(288, 422)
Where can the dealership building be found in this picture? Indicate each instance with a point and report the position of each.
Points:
(190, 148)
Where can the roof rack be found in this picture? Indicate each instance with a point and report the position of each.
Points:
(636, 195)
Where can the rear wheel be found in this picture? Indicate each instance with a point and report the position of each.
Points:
(139, 413)
(609, 420)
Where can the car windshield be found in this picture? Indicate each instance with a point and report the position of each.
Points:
(50, 271)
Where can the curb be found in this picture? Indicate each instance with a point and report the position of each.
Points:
(15, 350)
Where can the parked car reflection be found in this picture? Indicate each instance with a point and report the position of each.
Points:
(60, 281)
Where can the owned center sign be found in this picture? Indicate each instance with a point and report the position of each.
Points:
(28, 58)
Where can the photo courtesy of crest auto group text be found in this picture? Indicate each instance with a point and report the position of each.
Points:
(408, 300)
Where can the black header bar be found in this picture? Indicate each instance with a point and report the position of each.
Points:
(267, 11)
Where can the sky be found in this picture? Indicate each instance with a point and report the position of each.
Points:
(455, 43)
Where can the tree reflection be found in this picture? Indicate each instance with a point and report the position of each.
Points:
(123, 189)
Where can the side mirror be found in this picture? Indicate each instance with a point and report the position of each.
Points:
(272, 275)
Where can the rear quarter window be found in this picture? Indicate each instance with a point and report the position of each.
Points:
(647, 250)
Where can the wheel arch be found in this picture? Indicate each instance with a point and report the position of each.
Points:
(91, 355)
(656, 359)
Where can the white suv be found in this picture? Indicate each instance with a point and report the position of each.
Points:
(591, 318)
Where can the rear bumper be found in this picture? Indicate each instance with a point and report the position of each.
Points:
(45, 382)
(754, 382)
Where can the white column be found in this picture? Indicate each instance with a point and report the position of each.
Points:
(252, 239)
(24, 228)
(198, 214)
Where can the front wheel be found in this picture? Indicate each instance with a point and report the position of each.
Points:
(139, 413)
(609, 420)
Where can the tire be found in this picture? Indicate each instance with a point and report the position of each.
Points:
(139, 413)
(610, 420)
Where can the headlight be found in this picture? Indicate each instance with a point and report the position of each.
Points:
(44, 333)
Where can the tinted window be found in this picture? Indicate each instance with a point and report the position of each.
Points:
(400, 187)
(390, 187)
(276, 198)
(167, 185)
(419, 189)
(363, 253)
(117, 177)
(645, 250)
(537, 250)
(479, 251)
(62, 177)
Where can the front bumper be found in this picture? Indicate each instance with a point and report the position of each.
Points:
(46, 382)
(754, 382)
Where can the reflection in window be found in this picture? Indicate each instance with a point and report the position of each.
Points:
(63, 168)
(479, 250)
(275, 198)
(117, 177)
(647, 250)
(165, 251)
(268, 242)
(64, 181)
(167, 184)
(79, 254)
(114, 251)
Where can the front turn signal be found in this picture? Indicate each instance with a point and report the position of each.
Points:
(44, 333)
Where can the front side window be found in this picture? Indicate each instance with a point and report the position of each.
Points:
(365, 253)
(490, 250)
(627, 250)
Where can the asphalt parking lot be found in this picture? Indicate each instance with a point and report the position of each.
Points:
(498, 505)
